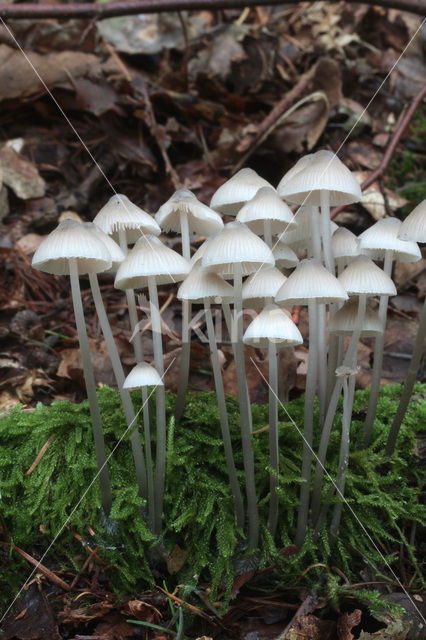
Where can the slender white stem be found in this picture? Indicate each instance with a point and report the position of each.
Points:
(274, 462)
(186, 331)
(409, 383)
(350, 358)
(378, 357)
(89, 378)
(117, 368)
(267, 233)
(224, 424)
(316, 233)
(326, 231)
(311, 382)
(322, 361)
(245, 412)
(160, 468)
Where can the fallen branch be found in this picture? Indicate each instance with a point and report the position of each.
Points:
(390, 149)
(41, 568)
(100, 11)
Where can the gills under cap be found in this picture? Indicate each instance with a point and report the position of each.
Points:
(204, 285)
(202, 219)
(236, 191)
(363, 277)
(143, 375)
(323, 171)
(311, 281)
(382, 236)
(266, 205)
(120, 213)
(236, 244)
(272, 325)
(414, 226)
(344, 321)
(71, 239)
(150, 258)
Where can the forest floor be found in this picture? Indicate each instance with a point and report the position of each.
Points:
(182, 100)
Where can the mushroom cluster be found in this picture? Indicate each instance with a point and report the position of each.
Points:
(267, 259)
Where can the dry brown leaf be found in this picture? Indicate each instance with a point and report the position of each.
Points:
(18, 80)
(71, 365)
(373, 200)
(345, 624)
(30, 242)
(176, 559)
(20, 174)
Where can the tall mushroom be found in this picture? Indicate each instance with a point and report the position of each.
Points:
(71, 249)
(273, 329)
(238, 251)
(149, 264)
(266, 214)
(183, 213)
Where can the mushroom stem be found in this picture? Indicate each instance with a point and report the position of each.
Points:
(322, 360)
(273, 438)
(160, 394)
(311, 381)
(129, 412)
(137, 339)
(378, 357)
(245, 412)
(350, 358)
(409, 383)
(326, 231)
(186, 331)
(224, 424)
(348, 399)
(267, 233)
(316, 233)
(89, 378)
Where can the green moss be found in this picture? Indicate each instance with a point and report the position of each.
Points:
(198, 505)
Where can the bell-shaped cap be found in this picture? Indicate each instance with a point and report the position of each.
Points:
(116, 254)
(201, 219)
(382, 236)
(266, 205)
(204, 285)
(323, 171)
(143, 375)
(236, 244)
(285, 258)
(236, 191)
(260, 285)
(71, 239)
(414, 226)
(272, 325)
(363, 277)
(344, 321)
(311, 281)
(344, 244)
(120, 213)
(150, 258)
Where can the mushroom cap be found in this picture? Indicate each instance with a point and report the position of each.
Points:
(266, 205)
(120, 213)
(285, 258)
(344, 321)
(236, 191)
(311, 281)
(71, 239)
(117, 256)
(363, 277)
(272, 325)
(260, 285)
(414, 226)
(150, 258)
(201, 219)
(200, 285)
(143, 375)
(301, 236)
(236, 244)
(322, 171)
(344, 243)
(382, 236)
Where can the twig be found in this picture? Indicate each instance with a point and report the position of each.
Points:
(390, 149)
(40, 567)
(100, 11)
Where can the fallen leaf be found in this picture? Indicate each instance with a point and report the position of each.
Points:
(345, 624)
(20, 174)
(373, 200)
(176, 559)
(30, 242)
(38, 623)
(71, 365)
